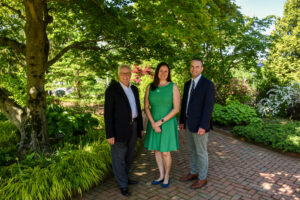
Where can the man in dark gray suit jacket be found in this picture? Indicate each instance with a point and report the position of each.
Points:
(195, 118)
(123, 125)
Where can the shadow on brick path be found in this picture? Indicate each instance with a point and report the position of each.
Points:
(237, 170)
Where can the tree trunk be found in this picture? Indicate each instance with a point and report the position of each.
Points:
(77, 83)
(37, 49)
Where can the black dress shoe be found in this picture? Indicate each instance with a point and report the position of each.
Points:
(132, 182)
(125, 192)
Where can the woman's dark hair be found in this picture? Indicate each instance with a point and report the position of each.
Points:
(155, 82)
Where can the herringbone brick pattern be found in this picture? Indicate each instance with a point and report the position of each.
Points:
(237, 170)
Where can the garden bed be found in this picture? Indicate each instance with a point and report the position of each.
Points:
(228, 132)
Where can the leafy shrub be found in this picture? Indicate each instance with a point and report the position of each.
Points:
(63, 123)
(293, 111)
(100, 119)
(235, 113)
(233, 89)
(2, 117)
(9, 138)
(8, 134)
(139, 72)
(285, 136)
(279, 99)
(265, 84)
(73, 168)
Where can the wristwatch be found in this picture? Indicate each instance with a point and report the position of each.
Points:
(162, 120)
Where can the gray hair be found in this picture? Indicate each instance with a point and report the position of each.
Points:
(123, 66)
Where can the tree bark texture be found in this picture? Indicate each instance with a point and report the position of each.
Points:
(37, 50)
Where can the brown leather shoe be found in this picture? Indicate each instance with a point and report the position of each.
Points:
(189, 177)
(199, 184)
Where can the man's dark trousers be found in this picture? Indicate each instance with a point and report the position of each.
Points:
(122, 155)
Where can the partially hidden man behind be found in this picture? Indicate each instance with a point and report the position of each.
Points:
(123, 124)
(195, 118)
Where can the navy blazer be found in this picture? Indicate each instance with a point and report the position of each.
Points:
(117, 112)
(200, 106)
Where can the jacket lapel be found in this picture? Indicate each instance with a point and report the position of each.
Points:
(198, 86)
(123, 95)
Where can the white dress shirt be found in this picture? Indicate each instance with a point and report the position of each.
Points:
(130, 96)
(196, 80)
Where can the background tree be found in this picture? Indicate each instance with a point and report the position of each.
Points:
(71, 74)
(28, 29)
(241, 45)
(41, 32)
(283, 61)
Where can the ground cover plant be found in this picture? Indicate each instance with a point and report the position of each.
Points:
(234, 113)
(80, 158)
(279, 134)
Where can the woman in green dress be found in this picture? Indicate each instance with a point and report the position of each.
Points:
(162, 103)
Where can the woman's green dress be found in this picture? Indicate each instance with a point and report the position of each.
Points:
(161, 103)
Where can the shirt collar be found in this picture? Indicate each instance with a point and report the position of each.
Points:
(124, 86)
(196, 80)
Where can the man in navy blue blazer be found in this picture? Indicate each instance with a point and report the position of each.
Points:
(195, 119)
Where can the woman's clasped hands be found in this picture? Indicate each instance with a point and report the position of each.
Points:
(156, 126)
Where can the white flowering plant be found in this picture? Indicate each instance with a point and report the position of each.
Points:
(279, 99)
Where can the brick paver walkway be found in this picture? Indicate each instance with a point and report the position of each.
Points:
(237, 170)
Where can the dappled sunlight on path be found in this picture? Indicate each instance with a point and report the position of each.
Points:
(237, 170)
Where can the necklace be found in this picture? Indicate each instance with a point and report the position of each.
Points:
(164, 84)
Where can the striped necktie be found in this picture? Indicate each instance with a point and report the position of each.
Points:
(193, 89)
(191, 94)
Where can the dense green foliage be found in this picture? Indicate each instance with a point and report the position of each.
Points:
(9, 137)
(89, 39)
(2, 117)
(279, 99)
(284, 59)
(65, 123)
(279, 135)
(76, 164)
(234, 89)
(72, 168)
(85, 39)
(234, 113)
(82, 83)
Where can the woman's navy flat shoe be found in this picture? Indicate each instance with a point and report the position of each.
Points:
(166, 185)
(157, 182)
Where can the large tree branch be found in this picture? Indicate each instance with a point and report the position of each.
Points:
(14, 10)
(14, 112)
(20, 48)
(80, 46)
